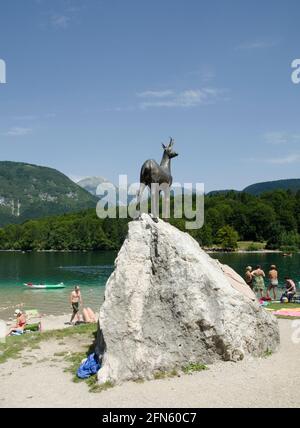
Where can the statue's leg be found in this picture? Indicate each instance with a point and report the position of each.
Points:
(155, 201)
(139, 195)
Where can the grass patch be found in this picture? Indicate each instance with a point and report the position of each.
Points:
(139, 380)
(194, 367)
(14, 345)
(42, 360)
(286, 317)
(92, 382)
(251, 246)
(163, 375)
(74, 360)
(60, 354)
(267, 354)
(160, 375)
(277, 306)
(94, 386)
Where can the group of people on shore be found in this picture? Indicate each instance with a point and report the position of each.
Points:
(88, 315)
(255, 278)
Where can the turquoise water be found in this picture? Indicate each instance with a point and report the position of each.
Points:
(91, 270)
(286, 265)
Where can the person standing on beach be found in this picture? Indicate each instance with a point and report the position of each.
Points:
(248, 276)
(273, 277)
(258, 276)
(76, 300)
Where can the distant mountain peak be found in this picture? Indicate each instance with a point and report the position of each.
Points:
(31, 191)
(91, 183)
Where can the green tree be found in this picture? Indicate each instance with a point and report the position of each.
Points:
(227, 237)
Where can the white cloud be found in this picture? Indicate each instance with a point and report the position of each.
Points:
(17, 131)
(75, 177)
(187, 98)
(155, 94)
(60, 21)
(204, 73)
(292, 158)
(257, 44)
(278, 137)
(25, 117)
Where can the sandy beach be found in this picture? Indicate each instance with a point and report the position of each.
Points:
(40, 380)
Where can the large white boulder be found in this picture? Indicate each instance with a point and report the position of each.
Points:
(168, 304)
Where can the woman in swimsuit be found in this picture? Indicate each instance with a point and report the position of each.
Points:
(258, 276)
(20, 323)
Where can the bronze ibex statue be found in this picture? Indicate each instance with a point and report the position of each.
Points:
(152, 172)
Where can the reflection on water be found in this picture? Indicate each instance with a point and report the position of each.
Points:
(91, 271)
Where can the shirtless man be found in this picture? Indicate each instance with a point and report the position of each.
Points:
(248, 276)
(75, 300)
(273, 277)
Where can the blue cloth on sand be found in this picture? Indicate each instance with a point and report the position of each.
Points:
(89, 367)
(17, 332)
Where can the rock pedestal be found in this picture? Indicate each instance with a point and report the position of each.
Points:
(168, 304)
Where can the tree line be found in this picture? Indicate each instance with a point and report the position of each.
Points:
(273, 218)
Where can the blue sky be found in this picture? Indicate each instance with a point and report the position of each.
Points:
(94, 87)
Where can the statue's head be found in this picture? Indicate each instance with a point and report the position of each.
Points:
(169, 149)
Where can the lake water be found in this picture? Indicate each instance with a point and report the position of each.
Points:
(91, 270)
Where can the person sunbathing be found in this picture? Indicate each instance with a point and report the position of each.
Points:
(88, 315)
(20, 325)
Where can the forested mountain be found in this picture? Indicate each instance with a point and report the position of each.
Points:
(273, 217)
(31, 191)
(292, 184)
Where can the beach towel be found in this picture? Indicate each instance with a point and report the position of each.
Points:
(89, 367)
(288, 312)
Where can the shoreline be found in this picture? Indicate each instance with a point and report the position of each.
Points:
(56, 251)
(212, 251)
(207, 250)
(49, 322)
